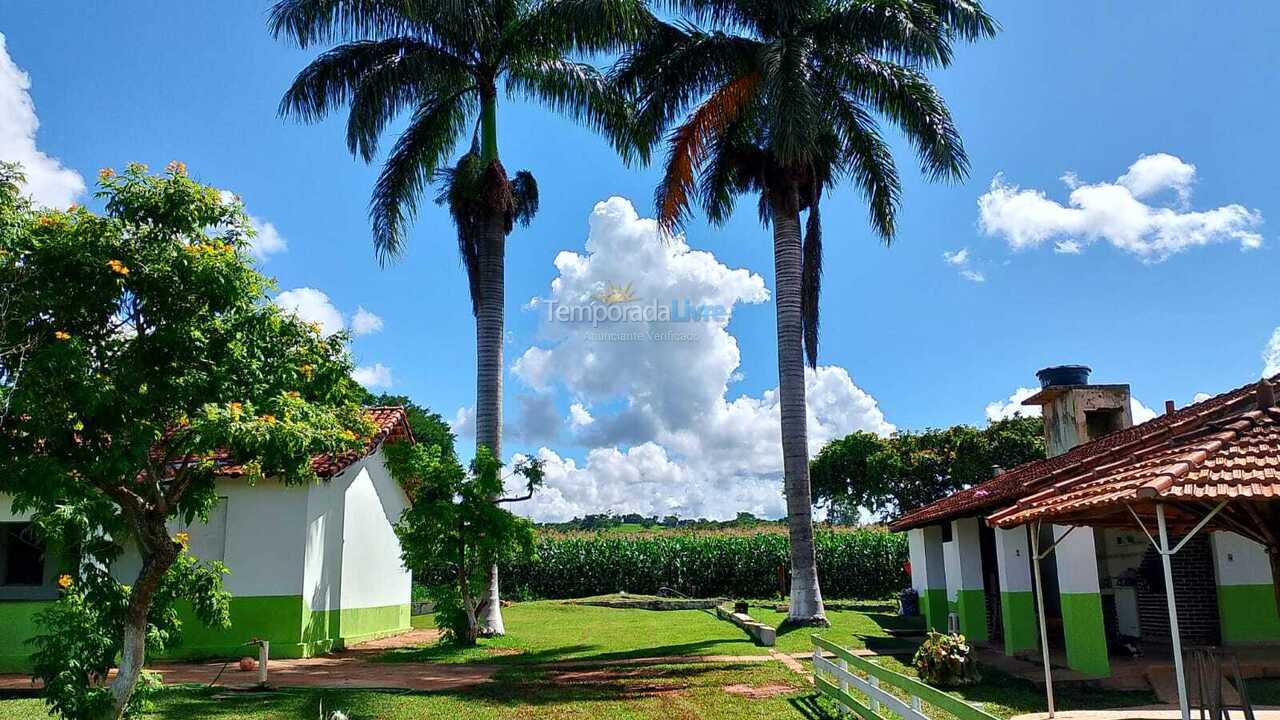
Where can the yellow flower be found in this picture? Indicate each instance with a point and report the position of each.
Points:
(136, 167)
(348, 435)
(293, 395)
(106, 174)
(269, 419)
(65, 582)
(308, 370)
(176, 167)
(46, 221)
(184, 421)
(118, 267)
(236, 408)
(62, 335)
(183, 539)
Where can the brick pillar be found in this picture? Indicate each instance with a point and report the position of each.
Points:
(1082, 621)
(1017, 602)
(965, 595)
(928, 574)
(1246, 594)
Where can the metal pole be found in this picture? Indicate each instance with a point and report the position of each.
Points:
(1044, 632)
(1166, 558)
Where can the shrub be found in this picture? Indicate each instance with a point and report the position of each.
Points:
(862, 563)
(946, 660)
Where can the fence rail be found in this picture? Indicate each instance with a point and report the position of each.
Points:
(847, 672)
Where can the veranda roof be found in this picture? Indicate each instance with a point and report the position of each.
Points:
(1230, 454)
(1033, 477)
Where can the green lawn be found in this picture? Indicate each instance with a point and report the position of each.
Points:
(650, 693)
(850, 629)
(550, 631)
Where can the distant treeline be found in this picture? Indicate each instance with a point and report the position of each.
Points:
(636, 521)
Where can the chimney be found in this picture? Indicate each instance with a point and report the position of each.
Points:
(1169, 407)
(1076, 412)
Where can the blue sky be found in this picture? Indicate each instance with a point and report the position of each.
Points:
(910, 339)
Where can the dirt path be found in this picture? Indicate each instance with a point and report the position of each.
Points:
(350, 668)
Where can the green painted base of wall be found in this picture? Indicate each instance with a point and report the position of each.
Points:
(933, 603)
(1018, 618)
(292, 629)
(17, 625)
(1248, 614)
(1086, 634)
(971, 606)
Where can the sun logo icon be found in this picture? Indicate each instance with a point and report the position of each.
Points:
(614, 294)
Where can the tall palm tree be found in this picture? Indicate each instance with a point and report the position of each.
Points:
(780, 98)
(443, 62)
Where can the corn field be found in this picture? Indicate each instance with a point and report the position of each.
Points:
(852, 563)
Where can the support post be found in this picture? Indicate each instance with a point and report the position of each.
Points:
(264, 654)
(1044, 630)
(1166, 559)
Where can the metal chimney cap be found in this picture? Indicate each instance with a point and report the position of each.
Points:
(1064, 375)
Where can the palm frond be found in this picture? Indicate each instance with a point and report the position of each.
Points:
(577, 91)
(460, 188)
(524, 195)
(811, 277)
(869, 162)
(673, 69)
(965, 18)
(908, 32)
(412, 164)
(909, 100)
(309, 22)
(582, 26)
(688, 145)
(330, 81)
(388, 88)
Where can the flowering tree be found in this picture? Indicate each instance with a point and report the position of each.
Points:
(149, 355)
(455, 527)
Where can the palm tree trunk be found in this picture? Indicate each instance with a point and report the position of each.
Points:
(489, 335)
(806, 596)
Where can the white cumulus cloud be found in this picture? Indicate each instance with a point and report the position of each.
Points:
(662, 433)
(313, 306)
(49, 183)
(1012, 407)
(960, 260)
(266, 240)
(1124, 213)
(373, 376)
(1271, 355)
(364, 322)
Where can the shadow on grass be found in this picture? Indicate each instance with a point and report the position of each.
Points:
(522, 690)
(499, 655)
(889, 621)
(810, 708)
(1018, 695)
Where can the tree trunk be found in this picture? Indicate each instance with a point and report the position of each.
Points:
(489, 338)
(133, 653)
(806, 597)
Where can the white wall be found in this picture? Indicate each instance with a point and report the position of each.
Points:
(322, 559)
(372, 575)
(1240, 561)
(1013, 559)
(1077, 560)
(6, 511)
(262, 541)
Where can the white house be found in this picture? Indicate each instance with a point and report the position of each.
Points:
(313, 568)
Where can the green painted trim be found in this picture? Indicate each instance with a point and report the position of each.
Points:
(361, 624)
(17, 626)
(971, 606)
(1248, 614)
(1085, 633)
(1018, 618)
(934, 605)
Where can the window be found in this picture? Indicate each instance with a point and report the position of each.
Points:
(22, 555)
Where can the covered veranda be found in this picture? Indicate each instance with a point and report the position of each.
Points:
(1219, 476)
